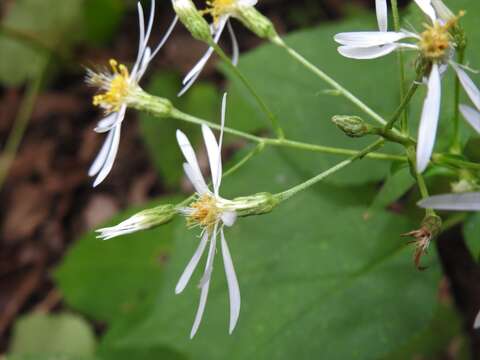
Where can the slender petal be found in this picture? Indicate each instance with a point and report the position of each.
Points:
(472, 116)
(197, 182)
(365, 53)
(192, 265)
(476, 324)
(429, 120)
(469, 86)
(229, 218)
(102, 155)
(382, 14)
(165, 37)
(233, 288)
(106, 123)
(189, 155)
(112, 153)
(427, 8)
(205, 284)
(235, 47)
(370, 38)
(213, 158)
(457, 202)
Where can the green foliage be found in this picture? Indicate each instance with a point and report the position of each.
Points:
(305, 282)
(33, 30)
(102, 18)
(109, 279)
(159, 134)
(64, 336)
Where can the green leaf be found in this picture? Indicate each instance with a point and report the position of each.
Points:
(471, 232)
(159, 134)
(316, 278)
(102, 18)
(108, 279)
(30, 27)
(302, 101)
(64, 335)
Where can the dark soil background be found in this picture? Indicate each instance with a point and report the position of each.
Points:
(47, 200)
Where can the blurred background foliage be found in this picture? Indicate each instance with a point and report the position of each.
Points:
(324, 276)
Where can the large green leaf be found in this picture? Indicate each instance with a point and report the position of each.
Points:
(109, 279)
(65, 335)
(32, 27)
(317, 279)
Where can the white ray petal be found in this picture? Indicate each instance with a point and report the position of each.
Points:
(205, 284)
(382, 14)
(213, 158)
(472, 116)
(429, 120)
(110, 159)
(235, 47)
(229, 218)
(192, 265)
(102, 155)
(427, 8)
(106, 123)
(468, 85)
(370, 38)
(366, 53)
(197, 182)
(189, 154)
(165, 37)
(456, 202)
(247, 2)
(232, 281)
(476, 324)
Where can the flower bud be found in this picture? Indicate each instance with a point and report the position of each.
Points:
(256, 22)
(258, 204)
(143, 220)
(352, 126)
(193, 20)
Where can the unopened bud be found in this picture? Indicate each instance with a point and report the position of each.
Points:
(193, 20)
(352, 126)
(258, 204)
(256, 22)
(464, 185)
(143, 220)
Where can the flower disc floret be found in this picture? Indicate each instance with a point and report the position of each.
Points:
(219, 8)
(436, 42)
(116, 86)
(204, 212)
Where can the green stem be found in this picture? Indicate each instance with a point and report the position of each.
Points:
(401, 65)
(456, 147)
(20, 125)
(177, 114)
(404, 104)
(315, 70)
(305, 185)
(270, 115)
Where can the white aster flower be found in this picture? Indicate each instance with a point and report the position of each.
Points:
(211, 213)
(117, 87)
(436, 48)
(221, 11)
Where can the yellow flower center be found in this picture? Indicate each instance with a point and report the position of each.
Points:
(218, 8)
(436, 41)
(116, 85)
(204, 212)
